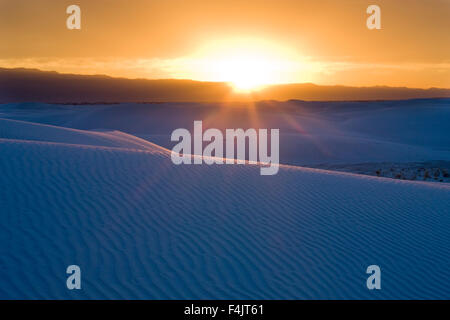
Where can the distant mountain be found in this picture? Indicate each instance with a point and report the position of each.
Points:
(30, 85)
(344, 93)
(26, 85)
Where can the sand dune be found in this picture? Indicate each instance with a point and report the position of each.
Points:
(311, 133)
(141, 228)
(22, 130)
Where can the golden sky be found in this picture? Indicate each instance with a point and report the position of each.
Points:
(271, 41)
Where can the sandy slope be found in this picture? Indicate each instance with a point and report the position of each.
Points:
(22, 130)
(140, 227)
(311, 133)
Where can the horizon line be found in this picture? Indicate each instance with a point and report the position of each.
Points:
(220, 82)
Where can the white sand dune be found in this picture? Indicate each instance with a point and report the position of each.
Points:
(22, 130)
(311, 133)
(142, 228)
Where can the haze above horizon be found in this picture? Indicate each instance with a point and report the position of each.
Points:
(251, 45)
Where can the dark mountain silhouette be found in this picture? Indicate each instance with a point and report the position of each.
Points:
(30, 85)
(344, 93)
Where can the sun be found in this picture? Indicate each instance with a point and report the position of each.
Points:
(248, 64)
(246, 71)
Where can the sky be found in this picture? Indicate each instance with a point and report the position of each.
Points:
(246, 42)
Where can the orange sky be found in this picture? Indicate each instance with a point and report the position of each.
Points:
(325, 42)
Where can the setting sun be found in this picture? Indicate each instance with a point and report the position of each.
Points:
(245, 73)
(248, 64)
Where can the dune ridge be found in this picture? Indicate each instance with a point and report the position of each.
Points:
(143, 228)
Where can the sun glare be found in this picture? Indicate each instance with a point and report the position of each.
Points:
(246, 72)
(248, 65)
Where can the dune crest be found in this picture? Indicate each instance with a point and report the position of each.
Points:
(99, 199)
